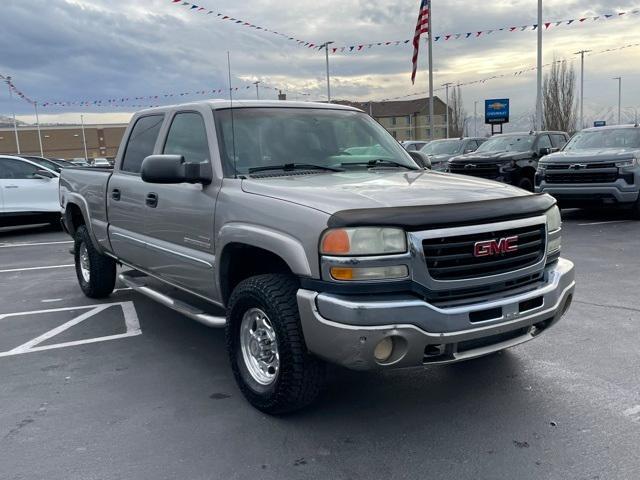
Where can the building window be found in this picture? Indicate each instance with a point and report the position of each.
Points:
(395, 135)
(393, 121)
(408, 133)
(408, 119)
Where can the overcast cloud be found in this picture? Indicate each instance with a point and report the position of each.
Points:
(100, 49)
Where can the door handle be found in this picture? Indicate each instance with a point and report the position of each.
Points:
(152, 200)
(115, 194)
(12, 186)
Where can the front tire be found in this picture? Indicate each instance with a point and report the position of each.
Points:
(266, 347)
(526, 184)
(635, 210)
(96, 273)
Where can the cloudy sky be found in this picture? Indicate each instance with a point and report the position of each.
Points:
(66, 50)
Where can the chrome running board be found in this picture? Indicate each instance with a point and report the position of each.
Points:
(136, 282)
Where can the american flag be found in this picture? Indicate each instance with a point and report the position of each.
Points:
(421, 27)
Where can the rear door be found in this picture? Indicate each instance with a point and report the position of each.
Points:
(180, 220)
(24, 191)
(126, 193)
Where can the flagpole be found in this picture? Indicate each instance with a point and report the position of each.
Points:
(430, 39)
(35, 106)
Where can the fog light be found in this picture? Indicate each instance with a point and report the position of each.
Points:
(383, 349)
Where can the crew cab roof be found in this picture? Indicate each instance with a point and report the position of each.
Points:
(225, 104)
(509, 134)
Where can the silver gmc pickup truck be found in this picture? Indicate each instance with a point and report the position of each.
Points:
(312, 236)
(599, 167)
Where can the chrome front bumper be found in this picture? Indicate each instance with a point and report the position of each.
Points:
(345, 330)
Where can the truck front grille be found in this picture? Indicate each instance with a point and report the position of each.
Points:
(483, 170)
(588, 166)
(454, 258)
(581, 177)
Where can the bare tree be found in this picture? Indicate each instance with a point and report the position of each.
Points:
(559, 98)
(458, 114)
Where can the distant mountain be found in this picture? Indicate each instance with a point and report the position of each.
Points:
(8, 122)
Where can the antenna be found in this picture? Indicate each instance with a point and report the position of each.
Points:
(233, 129)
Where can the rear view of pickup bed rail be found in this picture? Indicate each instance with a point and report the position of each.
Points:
(312, 236)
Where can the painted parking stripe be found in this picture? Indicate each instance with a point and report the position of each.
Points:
(131, 321)
(27, 269)
(16, 245)
(602, 223)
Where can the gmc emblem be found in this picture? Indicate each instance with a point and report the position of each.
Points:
(489, 248)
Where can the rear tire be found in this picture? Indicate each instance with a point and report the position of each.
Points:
(266, 347)
(96, 273)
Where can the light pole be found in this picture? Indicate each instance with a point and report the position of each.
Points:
(256, 83)
(539, 79)
(326, 50)
(446, 86)
(619, 99)
(35, 106)
(13, 113)
(581, 53)
(475, 118)
(84, 139)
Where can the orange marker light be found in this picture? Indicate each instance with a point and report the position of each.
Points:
(336, 242)
(340, 273)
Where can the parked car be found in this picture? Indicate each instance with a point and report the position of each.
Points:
(510, 158)
(441, 151)
(314, 252)
(101, 162)
(411, 145)
(28, 192)
(79, 162)
(50, 163)
(599, 166)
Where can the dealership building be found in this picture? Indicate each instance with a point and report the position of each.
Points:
(63, 141)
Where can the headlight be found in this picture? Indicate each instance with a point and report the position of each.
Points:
(542, 166)
(631, 162)
(554, 224)
(363, 241)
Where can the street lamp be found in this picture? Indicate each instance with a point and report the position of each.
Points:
(326, 49)
(446, 86)
(581, 53)
(619, 99)
(13, 113)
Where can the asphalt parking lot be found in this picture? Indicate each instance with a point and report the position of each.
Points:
(125, 388)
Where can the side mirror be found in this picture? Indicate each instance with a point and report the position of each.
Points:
(170, 169)
(44, 174)
(421, 158)
(544, 151)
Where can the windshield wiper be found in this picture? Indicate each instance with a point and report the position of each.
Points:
(287, 167)
(378, 162)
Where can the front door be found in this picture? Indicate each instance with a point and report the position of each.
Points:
(23, 191)
(126, 194)
(180, 219)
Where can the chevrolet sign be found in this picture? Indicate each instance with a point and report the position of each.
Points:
(496, 110)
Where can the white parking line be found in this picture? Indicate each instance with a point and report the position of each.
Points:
(15, 245)
(602, 223)
(130, 319)
(27, 269)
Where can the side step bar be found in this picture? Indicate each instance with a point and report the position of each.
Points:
(137, 283)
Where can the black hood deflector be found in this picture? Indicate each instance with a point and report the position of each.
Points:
(449, 215)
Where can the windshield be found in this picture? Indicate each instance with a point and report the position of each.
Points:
(442, 147)
(341, 139)
(508, 143)
(609, 138)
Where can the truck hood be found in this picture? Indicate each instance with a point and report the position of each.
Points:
(479, 157)
(592, 155)
(333, 192)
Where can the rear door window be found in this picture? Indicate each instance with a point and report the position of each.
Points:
(188, 137)
(558, 140)
(141, 142)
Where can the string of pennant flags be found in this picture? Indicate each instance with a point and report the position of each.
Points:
(155, 99)
(515, 73)
(361, 47)
(14, 89)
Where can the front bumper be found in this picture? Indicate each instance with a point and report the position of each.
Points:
(618, 192)
(345, 330)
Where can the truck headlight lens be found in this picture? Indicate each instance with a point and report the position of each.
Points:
(363, 241)
(631, 162)
(554, 224)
